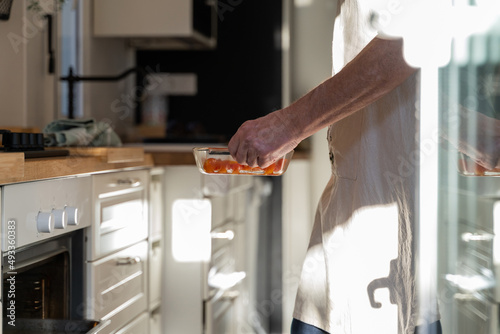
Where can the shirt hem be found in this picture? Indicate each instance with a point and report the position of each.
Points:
(312, 322)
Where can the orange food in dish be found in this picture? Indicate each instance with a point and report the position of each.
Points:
(218, 166)
(480, 170)
(469, 167)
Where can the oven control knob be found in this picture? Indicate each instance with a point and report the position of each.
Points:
(45, 222)
(60, 219)
(72, 215)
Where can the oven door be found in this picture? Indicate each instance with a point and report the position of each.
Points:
(41, 293)
(39, 286)
(51, 326)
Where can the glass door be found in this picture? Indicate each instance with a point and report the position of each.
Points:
(468, 211)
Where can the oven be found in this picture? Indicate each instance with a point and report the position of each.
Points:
(117, 251)
(43, 226)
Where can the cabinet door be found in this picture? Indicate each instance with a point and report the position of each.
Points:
(117, 285)
(140, 325)
(155, 322)
(145, 18)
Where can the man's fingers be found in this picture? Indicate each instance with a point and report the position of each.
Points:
(233, 145)
(251, 159)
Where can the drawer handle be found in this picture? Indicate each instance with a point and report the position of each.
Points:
(229, 235)
(126, 182)
(230, 295)
(224, 281)
(126, 261)
(473, 283)
(467, 237)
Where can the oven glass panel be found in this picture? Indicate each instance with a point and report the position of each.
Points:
(39, 289)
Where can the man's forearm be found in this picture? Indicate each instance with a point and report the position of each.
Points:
(377, 70)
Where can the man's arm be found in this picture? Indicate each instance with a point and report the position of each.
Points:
(378, 69)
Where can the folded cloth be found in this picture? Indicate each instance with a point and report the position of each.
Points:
(82, 132)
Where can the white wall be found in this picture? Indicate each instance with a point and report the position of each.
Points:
(29, 94)
(26, 88)
(311, 63)
(308, 62)
(108, 101)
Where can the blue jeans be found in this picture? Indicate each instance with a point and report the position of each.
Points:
(299, 327)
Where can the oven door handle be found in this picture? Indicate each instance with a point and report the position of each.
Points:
(127, 261)
(98, 328)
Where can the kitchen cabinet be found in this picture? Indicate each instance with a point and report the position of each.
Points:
(116, 286)
(155, 244)
(138, 325)
(155, 322)
(170, 24)
(213, 219)
(118, 250)
(182, 288)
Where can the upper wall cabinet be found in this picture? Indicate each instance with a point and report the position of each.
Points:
(158, 24)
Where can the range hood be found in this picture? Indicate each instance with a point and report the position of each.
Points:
(158, 24)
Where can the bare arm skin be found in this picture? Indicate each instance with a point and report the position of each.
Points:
(378, 69)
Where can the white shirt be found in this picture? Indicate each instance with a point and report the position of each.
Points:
(361, 247)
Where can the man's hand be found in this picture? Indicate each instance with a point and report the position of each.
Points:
(262, 141)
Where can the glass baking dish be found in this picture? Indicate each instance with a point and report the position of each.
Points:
(218, 161)
(468, 167)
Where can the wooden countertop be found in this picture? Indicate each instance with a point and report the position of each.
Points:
(14, 168)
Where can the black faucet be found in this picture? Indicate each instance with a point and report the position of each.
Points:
(71, 78)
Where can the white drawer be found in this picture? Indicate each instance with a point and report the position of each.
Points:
(140, 325)
(120, 212)
(108, 183)
(117, 283)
